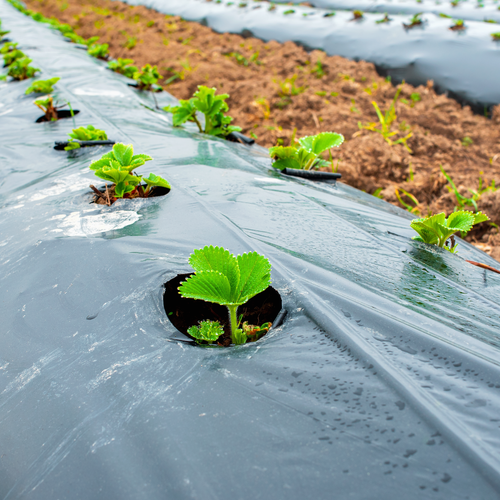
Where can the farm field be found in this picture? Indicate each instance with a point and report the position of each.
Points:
(279, 91)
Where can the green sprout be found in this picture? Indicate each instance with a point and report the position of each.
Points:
(88, 133)
(73, 37)
(357, 14)
(416, 20)
(123, 66)
(305, 154)
(288, 87)
(318, 70)
(289, 11)
(146, 77)
(386, 120)
(206, 331)
(12, 55)
(458, 26)
(224, 279)
(100, 51)
(467, 141)
(496, 36)
(118, 165)
(385, 19)
(439, 230)
(42, 86)
(20, 69)
(211, 106)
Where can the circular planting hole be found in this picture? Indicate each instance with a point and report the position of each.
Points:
(61, 113)
(184, 313)
(101, 197)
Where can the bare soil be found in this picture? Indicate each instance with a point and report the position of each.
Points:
(329, 94)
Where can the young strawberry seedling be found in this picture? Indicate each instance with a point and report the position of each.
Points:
(88, 133)
(306, 153)
(206, 332)
(356, 15)
(100, 51)
(385, 19)
(458, 26)
(20, 69)
(146, 77)
(123, 66)
(231, 281)
(439, 230)
(42, 86)
(12, 54)
(48, 108)
(496, 36)
(211, 106)
(118, 167)
(416, 20)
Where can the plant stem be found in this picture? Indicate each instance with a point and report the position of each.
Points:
(198, 123)
(233, 320)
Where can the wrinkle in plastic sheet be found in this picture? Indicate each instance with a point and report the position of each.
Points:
(382, 382)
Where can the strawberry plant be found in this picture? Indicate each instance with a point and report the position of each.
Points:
(73, 37)
(123, 66)
(12, 54)
(458, 26)
(88, 133)
(42, 86)
(496, 36)
(48, 108)
(146, 77)
(439, 230)
(224, 279)
(211, 106)
(118, 167)
(416, 20)
(385, 19)
(305, 154)
(100, 51)
(206, 331)
(357, 14)
(20, 69)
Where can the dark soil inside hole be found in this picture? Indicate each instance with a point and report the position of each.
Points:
(184, 313)
(61, 113)
(103, 199)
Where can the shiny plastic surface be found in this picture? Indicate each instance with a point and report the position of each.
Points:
(381, 383)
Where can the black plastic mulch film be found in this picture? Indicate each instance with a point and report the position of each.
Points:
(382, 382)
(466, 64)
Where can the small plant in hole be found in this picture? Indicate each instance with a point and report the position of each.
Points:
(222, 278)
(206, 332)
(385, 121)
(416, 20)
(385, 19)
(356, 15)
(20, 69)
(289, 11)
(439, 230)
(88, 133)
(42, 86)
(11, 55)
(496, 36)
(305, 154)
(48, 108)
(123, 66)
(211, 106)
(118, 167)
(147, 77)
(458, 26)
(99, 50)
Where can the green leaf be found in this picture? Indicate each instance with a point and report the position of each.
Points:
(72, 145)
(123, 153)
(282, 152)
(321, 142)
(220, 260)
(156, 180)
(480, 217)
(286, 163)
(142, 157)
(208, 331)
(426, 234)
(461, 221)
(210, 286)
(255, 275)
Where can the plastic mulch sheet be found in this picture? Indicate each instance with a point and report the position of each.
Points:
(383, 381)
(466, 63)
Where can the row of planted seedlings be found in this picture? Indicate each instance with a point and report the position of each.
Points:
(358, 15)
(228, 299)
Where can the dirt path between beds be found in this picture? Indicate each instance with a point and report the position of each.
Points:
(332, 94)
